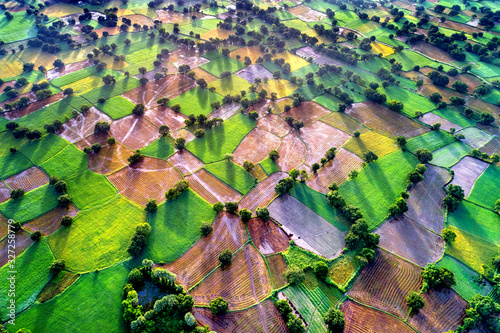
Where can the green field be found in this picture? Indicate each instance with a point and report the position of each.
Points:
(88, 189)
(196, 101)
(229, 86)
(222, 64)
(450, 154)
(19, 28)
(221, 139)
(233, 175)
(378, 185)
(412, 102)
(475, 137)
(454, 117)
(33, 204)
(160, 148)
(39, 151)
(476, 220)
(120, 87)
(107, 228)
(67, 162)
(486, 190)
(38, 119)
(11, 164)
(177, 224)
(269, 166)
(432, 141)
(116, 107)
(82, 74)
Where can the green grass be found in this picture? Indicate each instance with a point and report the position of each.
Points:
(88, 189)
(486, 190)
(432, 141)
(233, 175)
(46, 115)
(83, 73)
(120, 87)
(116, 107)
(67, 162)
(33, 266)
(321, 6)
(269, 166)
(476, 220)
(222, 64)
(76, 102)
(450, 154)
(454, 117)
(298, 257)
(39, 151)
(31, 205)
(196, 101)
(412, 102)
(11, 164)
(91, 304)
(99, 236)
(382, 35)
(160, 148)
(176, 226)
(20, 27)
(316, 202)
(493, 97)
(328, 101)
(221, 139)
(378, 185)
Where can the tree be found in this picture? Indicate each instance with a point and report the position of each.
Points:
(262, 213)
(248, 166)
(231, 207)
(401, 141)
(415, 301)
(151, 206)
(448, 235)
(101, 127)
(218, 207)
(202, 83)
(334, 320)
(284, 185)
(66, 220)
(218, 306)
(225, 258)
(321, 270)
(460, 86)
(64, 200)
(143, 80)
(199, 133)
(454, 195)
(57, 266)
(164, 130)
(58, 63)
(36, 235)
(246, 215)
(497, 206)
(111, 141)
(253, 115)
(179, 143)
(435, 277)
(295, 325)
(396, 106)
(274, 155)
(139, 239)
(206, 228)
(68, 91)
(16, 194)
(135, 158)
(294, 275)
(60, 186)
(435, 97)
(423, 155)
(370, 156)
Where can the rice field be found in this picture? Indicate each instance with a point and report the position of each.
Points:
(450, 154)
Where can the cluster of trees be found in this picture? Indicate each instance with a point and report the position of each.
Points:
(293, 322)
(454, 195)
(437, 277)
(139, 239)
(179, 187)
(329, 156)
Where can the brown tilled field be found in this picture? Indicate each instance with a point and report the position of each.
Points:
(244, 283)
(109, 159)
(319, 137)
(4, 192)
(424, 204)
(263, 193)
(467, 171)
(185, 161)
(226, 111)
(292, 152)
(52, 289)
(134, 132)
(228, 233)
(492, 147)
(410, 240)
(335, 171)
(163, 115)
(274, 124)
(51, 221)
(211, 188)
(432, 51)
(4, 227)
(28, 180)
(385, 283)
(253, 52)
(431, 119)
(375, 117)
(149, 179)
(447, 93)
(307, 112)
(67, 69)
(82, 126)
(203, 74)
(34, 106)
(91, 139)
(263, 317)
(443, 311)
(23, 241)
(277, 266)
(170, 16)
(256, 146)
(344, 122)
(267, 236)
(362, 319)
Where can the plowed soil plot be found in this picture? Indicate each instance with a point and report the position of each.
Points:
(170, 86)
(163, 115)
(444, 310)
(28, 180)
(228, 233)
(410, 240)
(51, 221)
(467, 171)
(83, 125)
(226, 111)
(262, 317)
(431, 119)
(263, 193)
(256, 146)
(261, 107)
(4, 227)
(91, 139)
(185, 161)
(292, 152)
(211, 188)
(203, 74)
(170, 16)
(267, 236)
(134, 132)
(306, 13)
(309, 230)
(23, 241)
(67, 69)
(193, 62)
(362, 319)
(335, 171)
(109, 159)
(253, 52)
(424, 204)
(244, 283)
(277, 266)
(385, 283)
(375, 116)
(345, 123)
(4, 192)
(319, 137)
(36, 105)
(254, 71)
(149, 179)
(428, 89)
(274, 124)
(492, 147)
(432, 51)
(307, 112)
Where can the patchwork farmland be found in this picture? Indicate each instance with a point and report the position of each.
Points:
(199, 166)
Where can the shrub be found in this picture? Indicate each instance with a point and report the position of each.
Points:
(206, 228)
(218, 306)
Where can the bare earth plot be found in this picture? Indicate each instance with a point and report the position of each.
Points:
(424, 204)
(262, 194)
(226, 111)
(292, 152)
(23, 241)
(318, 59)
(385, 283)
(410, 240)
(467, 171)
(254, 71)
(492, 147)
(134, 132)
(149, 179)
(307, 112)
(185, 161)
(256, 146)
(335, 171)
(51, 221)
(344, 122)
(274, 124)
(28, 180)
(82, 126)
(163, 115)
(228, 233)
(309, 230)
(431, 119)
(267, 236)
(34, 106)
(109, 159)
(4, 192)
(211, 188)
